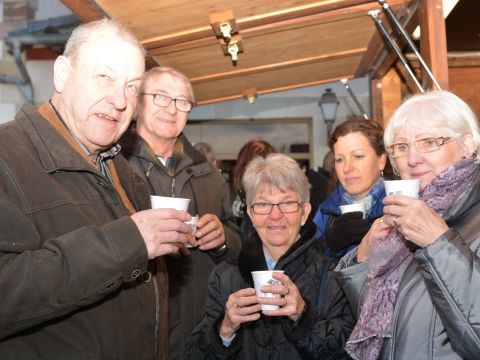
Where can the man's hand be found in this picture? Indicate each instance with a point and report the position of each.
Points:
(163, 230)
(210, 233)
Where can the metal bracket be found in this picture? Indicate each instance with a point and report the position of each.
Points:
(378, 22)
(232, 47)
(225, 28)
(388, 10)
(355, 100)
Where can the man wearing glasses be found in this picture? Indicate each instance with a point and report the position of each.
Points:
(159, 151)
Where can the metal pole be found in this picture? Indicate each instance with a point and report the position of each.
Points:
(352, 95)
(391, 15)
(396, 49)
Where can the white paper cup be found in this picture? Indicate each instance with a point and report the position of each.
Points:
(356, 206)
(261, 278)
(410, 187)
(168, 202)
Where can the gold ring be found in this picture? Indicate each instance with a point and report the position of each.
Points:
(236, 305)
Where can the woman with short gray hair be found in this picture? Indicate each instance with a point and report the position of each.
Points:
(308, 323)
(419, 265)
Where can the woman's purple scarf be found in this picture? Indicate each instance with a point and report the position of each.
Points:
(389, 260)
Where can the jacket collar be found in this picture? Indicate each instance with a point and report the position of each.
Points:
(466, 200)
(187, 155)
(54, 149)
(331, 205)
(251, 257)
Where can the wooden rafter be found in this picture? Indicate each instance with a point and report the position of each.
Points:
(323, 10)
(87, 10)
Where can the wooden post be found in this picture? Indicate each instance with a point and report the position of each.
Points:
(376, 100)
(433, 42)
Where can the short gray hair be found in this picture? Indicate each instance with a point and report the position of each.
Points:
(158, 70)
(434, 109)
(84, 32)
(275, 170)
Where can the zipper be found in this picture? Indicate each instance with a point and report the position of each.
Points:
(156, 291)
(172, 186)
(396, 313)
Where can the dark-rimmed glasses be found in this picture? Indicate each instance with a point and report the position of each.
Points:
(285, 207)
(163, 100)
(425, 145)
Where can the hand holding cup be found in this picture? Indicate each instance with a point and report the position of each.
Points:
(279, 296)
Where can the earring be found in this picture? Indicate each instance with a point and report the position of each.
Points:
(381, 173)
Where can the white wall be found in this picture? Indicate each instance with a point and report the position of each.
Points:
(41, 72)
(292, 104)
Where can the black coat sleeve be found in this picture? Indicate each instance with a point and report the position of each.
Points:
(323, 329)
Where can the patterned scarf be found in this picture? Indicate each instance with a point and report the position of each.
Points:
(389, 260)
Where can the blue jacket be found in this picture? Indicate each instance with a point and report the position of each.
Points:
(329, 209)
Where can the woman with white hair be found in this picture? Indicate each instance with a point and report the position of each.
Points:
(416, 273)
(308, 325)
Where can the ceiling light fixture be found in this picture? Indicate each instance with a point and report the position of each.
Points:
(250, 94)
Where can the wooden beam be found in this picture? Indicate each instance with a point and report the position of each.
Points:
(410, 86)
(275, 90)
(391, 95)
(455, 59)
(465, 82)
(463, 59)
(433, 42)
(379, 58)
(275, 66)
(319, 11)
(42, 53)
(86, 10)
(376, 101)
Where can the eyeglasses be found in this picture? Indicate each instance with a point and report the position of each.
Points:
(162, 100)
(424, 145)
(285, 207)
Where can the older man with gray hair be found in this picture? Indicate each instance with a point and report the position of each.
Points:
(76, 278)
(163, 155)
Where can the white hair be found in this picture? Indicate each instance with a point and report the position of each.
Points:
(85, 32)
(434, 109)
(159, 70)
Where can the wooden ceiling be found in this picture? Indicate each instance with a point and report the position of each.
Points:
(286, 44)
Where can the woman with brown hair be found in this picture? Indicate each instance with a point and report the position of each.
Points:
(359, 161)
(247, 153)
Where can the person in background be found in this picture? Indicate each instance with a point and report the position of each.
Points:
(159, 151)
(75, 273)
(318, 189)
(360, 159)
(307, 325)
(249, 150)
(419, 265)
(328, 165)
(206, 150)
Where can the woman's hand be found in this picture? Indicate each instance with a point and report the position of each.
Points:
(416, 221)
(241, 307)
(378, 230)
(288, 298)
